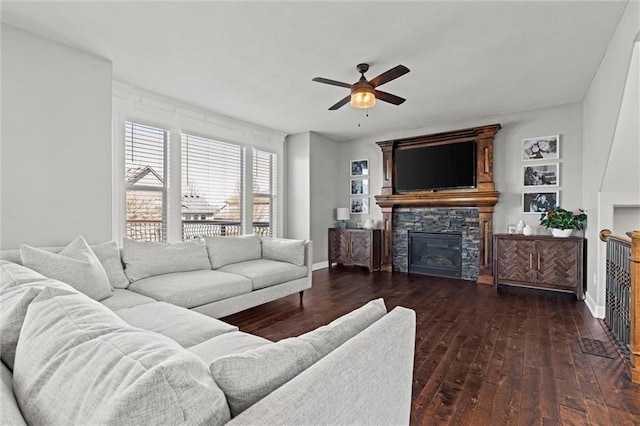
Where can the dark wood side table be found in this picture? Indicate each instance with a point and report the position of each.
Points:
(355, 247)
(543, 262)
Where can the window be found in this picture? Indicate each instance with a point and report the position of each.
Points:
(212, 187)
(145, 177)
(264, 193)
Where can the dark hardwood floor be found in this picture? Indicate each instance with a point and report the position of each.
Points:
(481, 358)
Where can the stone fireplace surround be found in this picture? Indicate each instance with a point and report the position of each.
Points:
(464, 221)
(478, 201)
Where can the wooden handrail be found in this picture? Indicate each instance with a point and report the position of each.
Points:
(632, 239)
(634, 343)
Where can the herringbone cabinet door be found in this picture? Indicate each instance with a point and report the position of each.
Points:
(558, 260)
(360, 248)
(339, 246)
(515, 260)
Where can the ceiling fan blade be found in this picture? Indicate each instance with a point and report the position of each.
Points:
(387, 76)
(340, 103)
(331, 82)
(388, 97)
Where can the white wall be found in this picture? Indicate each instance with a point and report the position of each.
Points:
(327, 191)
(297, 186)
(565, 120)
(314, 187)
(601, 116)
(55, 178)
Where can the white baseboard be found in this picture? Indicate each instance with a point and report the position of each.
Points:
(596, 311)
(320, 265)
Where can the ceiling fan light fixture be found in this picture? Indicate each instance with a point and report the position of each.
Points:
(362, 97)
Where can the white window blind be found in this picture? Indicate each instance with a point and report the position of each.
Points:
(212, 187)
(145, 166)
(264, 192)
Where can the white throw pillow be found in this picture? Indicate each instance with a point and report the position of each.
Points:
(76, 265)
(145, 259)
(247, 377)
(108, 254)
(283, 250)
(227, 250)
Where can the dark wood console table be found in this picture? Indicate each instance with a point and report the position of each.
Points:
(357, 247)
(542, 262)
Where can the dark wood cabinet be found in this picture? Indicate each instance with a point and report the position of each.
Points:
(540, 262)
(357, 247)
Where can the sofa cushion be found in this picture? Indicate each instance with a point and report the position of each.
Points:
(327, 338)
(78, 363)
(283, 250)
(123, 299)
(226, 250)
(108, 254)
(145, 259)
(249, 376)
(265, 273)
(195, 288)
(10, 413)
(12, 274)
(14, 302)
(186, 327)
(227, 344)
(76, 265)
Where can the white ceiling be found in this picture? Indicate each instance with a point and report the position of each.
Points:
(255, 60)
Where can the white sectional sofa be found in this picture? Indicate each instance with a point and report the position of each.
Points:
(131, 359)
(220, 277)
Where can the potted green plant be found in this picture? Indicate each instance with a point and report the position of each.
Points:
(562, 222)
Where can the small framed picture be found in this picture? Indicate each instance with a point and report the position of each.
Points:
(543, 147)
(359, 167)
(541, 174)
(360, 205)
(359, 187)
(538, 202)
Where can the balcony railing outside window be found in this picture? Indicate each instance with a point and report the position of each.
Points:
(151, 230)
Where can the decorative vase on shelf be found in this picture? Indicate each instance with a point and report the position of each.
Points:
(520, 227)
(561, 233)
(527, 230)
(368, 224)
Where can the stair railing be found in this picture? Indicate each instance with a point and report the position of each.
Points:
(622, 314)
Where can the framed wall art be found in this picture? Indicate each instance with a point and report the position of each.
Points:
(359, 167)
(360, 205)
(359, 187)
(538, 202)
(542, 147)
(541, 174)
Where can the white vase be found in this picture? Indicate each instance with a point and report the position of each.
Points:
(520, 227)
(561, 233)
(368, 224)
(527, 230)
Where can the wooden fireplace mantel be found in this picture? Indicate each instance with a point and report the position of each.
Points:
(483, 196)
(440, 199)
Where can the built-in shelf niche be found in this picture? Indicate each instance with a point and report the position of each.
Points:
(483, 196)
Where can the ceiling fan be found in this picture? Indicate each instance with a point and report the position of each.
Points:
(363, 92)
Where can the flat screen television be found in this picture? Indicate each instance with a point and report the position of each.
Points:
(436, 167)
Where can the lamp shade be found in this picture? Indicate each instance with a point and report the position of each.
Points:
(342, 213)
(363, 97)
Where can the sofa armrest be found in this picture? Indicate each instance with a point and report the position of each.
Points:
(367, 380)
(308, 257)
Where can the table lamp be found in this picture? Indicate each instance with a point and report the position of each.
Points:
(343, 215)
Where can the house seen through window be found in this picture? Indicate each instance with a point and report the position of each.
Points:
(212, 196)
(145, 166)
